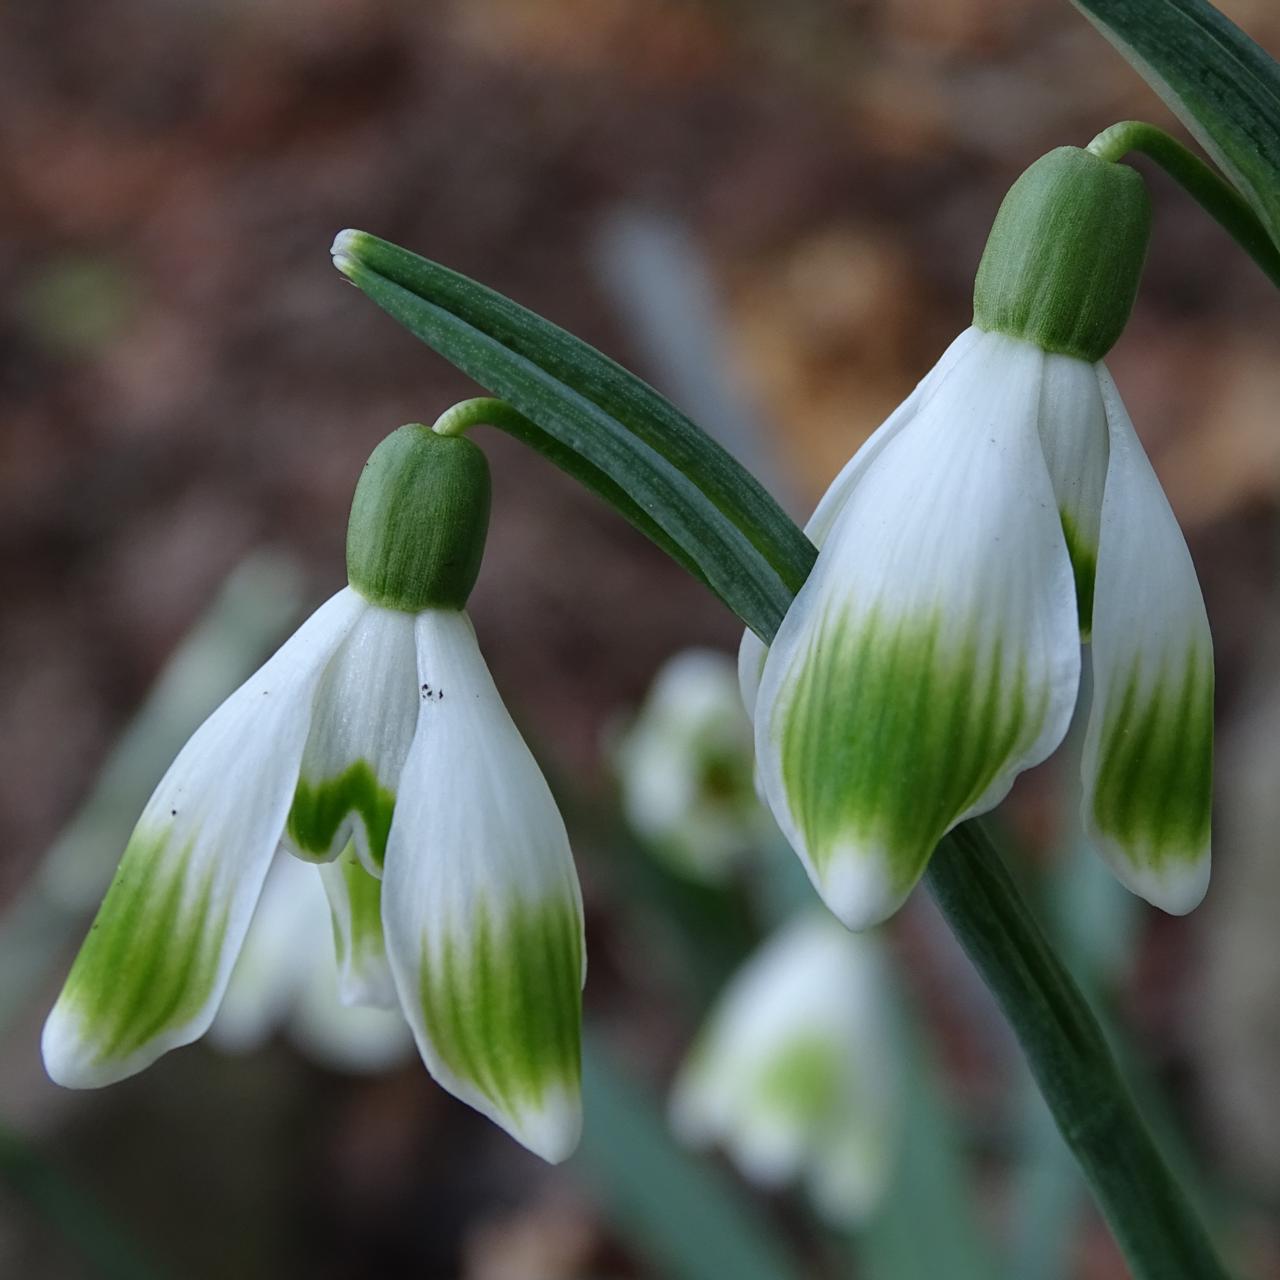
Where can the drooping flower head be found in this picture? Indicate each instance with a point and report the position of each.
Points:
(794, 1071)
(685, 768)
(375, 730)
(1004, 512)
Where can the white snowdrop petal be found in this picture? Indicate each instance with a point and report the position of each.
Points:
(1073, 432)
(932, 653)
(1148, 753)
(153, 968)
(364, 721)
(481, 906)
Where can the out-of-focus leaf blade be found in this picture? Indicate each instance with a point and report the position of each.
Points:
(675, 1209)
(740, 541)
(1221, 84)
(927, 1225)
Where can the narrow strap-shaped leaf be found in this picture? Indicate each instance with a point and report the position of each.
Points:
(1221, 84)
(740, 541)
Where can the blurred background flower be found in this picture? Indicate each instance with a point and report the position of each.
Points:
(685, 768)
(794, 1071)
(804, 190)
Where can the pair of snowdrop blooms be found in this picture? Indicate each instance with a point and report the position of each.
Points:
(1006, 509)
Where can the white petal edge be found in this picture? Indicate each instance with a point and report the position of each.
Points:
(222, 803)
(476, 829)
(1148, 614)
(955, 518)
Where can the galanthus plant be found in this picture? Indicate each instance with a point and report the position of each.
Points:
(1003, 512)
(916, 663)
(376, 726)
(794, 1073)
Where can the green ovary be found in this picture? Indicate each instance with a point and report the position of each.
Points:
(320, 808)
(150, 961)
(889, 733)
(1084, 564)
(1153, 791)
(503, 1002)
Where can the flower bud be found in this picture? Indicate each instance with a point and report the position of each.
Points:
(418, 521)
(1065, 254)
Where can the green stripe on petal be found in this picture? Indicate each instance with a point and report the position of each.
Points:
(355, 903)
(1148, 751)
(320, 810)
(1154, 786)
(890, 732)
(502, 1003)
(150, 961)
(1084, 566)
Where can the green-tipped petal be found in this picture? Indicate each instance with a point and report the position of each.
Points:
(1148, 755)
(481, 906)
(355, 898)
(932, 654)
(363, 725)
(152, 970)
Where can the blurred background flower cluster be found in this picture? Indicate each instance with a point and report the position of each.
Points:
(773, 212)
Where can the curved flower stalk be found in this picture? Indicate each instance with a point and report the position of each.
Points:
(685, 768)
(1003, 513)
(793, 1073)
(376, 726)
(287, 977)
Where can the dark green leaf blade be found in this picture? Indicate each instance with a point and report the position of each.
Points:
(1221, 84)
(578, 395)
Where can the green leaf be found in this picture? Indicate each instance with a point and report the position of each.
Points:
(1222, 85)
(594, 413)
(677, 1210)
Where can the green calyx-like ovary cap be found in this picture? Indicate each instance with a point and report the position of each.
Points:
(418, 521)
(1065, 254)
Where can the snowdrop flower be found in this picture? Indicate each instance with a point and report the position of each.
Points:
(287, 975)
(793, 1073)
(1004, 511)
(377, 725)
(685, 768)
